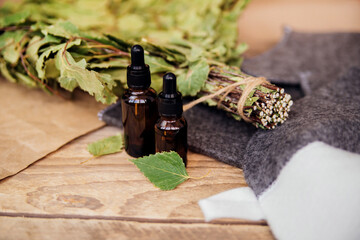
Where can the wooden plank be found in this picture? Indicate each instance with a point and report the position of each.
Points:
(12, 228)
(110, 186)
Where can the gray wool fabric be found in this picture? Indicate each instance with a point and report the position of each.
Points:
(326, 108)
(308, 60)
(331, 115)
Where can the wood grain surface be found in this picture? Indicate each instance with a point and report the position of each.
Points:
(53, 229)
(69, 195)
(108, 195)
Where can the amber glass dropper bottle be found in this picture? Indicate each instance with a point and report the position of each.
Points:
(139, 107)
(171, 128)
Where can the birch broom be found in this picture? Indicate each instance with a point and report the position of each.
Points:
(56, 55)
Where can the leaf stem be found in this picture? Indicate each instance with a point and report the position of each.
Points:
(204, 176)
(13, 28)
(23, 62)
(92, 158)
(116, 50)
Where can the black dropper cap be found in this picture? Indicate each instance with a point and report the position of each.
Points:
(170, 100)
(138, 73)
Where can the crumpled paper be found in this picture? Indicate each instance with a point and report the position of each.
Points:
(34, 124)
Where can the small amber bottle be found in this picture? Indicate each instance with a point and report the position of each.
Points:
(139, 107)
(171, 128)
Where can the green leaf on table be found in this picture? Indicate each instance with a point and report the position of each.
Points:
(107, 145)
(165, 170)
(73, 74)
(190, 83)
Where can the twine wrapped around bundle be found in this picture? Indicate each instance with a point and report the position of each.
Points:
(249, 82)
(270, 109)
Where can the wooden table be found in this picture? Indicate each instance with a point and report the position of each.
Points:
(69, 195)
(60, 197)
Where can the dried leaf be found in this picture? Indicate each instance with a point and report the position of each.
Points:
(73, 74)
(40, 63)
(36, 43)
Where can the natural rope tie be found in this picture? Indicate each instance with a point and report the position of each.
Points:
(250, 84)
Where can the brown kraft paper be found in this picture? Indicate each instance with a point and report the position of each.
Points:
(34, 124)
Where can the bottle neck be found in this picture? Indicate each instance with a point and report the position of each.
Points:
(138, 89)
(170, 117)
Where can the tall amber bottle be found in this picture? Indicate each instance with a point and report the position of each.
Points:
(171, 128)
(139, 107)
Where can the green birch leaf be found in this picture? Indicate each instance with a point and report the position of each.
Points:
(165, 170)
(236, 117)
(165, 52)
(67, 79)
(26, 80)
(74, 74)
(35, 44)
(10, 49)
(118, 62)
(11, 37)
(51, 70)
(6, 73)
(107, 145)
(116, 74)
(107, 81)
(62, 29)
(40, 63)
(157, 82)
(196, 53)
(158, 64)
(264, 89)
(249, 111)
(11, 53)
(117, 42)
(16, 18)
(32, 50)
(191, 83)
(130, 29)
(250, 101)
